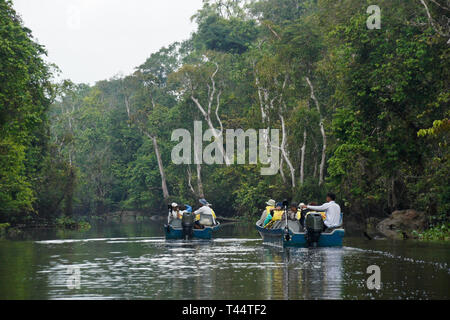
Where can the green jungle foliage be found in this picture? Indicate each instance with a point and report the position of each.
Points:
(363, 113)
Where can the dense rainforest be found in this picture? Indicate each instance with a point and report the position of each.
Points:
(362, 111)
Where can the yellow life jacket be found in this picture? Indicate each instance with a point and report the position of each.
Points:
(277, 215)
(197, 216)
(268, 208)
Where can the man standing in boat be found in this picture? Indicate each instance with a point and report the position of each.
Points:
(332, 211)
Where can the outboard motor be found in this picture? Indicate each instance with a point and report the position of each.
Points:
(314, 227)
(187, 222)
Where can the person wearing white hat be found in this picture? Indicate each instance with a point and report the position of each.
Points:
(173, 212)
(270, 206)
(302, 213)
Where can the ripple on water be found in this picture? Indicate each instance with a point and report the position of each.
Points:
(150, 267)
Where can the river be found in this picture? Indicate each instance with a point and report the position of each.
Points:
(133, 261)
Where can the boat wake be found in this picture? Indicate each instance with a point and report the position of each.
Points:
(439, 265)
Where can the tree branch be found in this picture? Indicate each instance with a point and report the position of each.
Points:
(431, 20)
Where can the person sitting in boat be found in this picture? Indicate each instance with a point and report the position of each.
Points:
(276, 215)
(268, 218)
(302, 214)
(270, 206)
(293, 213)
(174, 212)
(332, 212)
(304, 211)
(205, 216)
(181, 210)
(187, 208)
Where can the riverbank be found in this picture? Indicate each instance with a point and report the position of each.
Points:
(3, 229)
(82, 223)
(438, 233)
(60, 223)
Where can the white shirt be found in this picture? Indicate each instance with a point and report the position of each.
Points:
(206, 210)
(333, 212)
(172, 216)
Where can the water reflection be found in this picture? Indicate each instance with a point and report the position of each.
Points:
(130, 262)
(304, 273)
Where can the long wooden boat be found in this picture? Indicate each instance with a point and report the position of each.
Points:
(176, 233)
(299, 239)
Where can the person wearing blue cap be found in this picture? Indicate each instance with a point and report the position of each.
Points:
(206, 215)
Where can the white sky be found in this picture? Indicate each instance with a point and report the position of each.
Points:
(93, 40)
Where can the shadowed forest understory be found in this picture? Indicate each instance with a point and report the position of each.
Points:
(362, 113)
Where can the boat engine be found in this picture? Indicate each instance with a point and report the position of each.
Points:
(314, 227)
(187, 222)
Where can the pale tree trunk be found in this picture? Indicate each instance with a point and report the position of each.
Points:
(211, 126)
(262, 96)
(160, 166)
(127, 101)
(266, 104)
(284, 152)
(200, 192)
(302, 158)
(283, 177)
(189, 173)
(213, 94)
(158, 157)
(315, 165)
(199, 177)
(322, 131)
(322, 161)
(315, 157)
(157, 153)
(127, 106)
(69, 116)
(70, 147)
(439, 29)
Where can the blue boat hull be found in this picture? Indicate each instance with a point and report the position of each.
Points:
(202, 234)
(333, 239)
